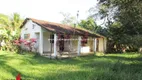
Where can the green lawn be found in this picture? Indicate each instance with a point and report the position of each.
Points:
(106, 67)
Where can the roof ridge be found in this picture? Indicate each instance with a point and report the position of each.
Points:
(61, 28)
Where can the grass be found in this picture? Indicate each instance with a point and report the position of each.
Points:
(126, 66)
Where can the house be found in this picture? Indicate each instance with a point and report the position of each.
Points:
(57, 38)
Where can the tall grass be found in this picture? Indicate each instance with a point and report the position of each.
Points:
(126, 66)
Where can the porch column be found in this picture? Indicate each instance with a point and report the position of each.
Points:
(55, 47)
(41, 42)
(95, 44)
(79, 46)
(104, 44)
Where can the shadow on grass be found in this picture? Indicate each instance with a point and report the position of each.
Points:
(89, 67)
(8, 69)
(92, 59)
(118, 70)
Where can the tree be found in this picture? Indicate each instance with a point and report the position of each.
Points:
(89, 24)
(123, 19)
(68, 19)
(10, 28)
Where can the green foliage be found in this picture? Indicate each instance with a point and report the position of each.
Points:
(68, 19)
(89, 24)
(126, 66)
(102, 31)
(123, 20)
(10, 30)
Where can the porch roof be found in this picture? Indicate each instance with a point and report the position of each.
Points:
(61, 28)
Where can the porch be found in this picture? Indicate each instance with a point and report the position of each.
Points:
(52, 46)
(64, 55)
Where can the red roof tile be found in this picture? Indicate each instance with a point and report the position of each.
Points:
(61, 28)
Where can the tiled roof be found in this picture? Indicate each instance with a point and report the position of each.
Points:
(61, 28)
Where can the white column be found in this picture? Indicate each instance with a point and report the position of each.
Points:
(95, 44)
(104, 44)
(41, 42)
(79, 46)
(55, 47)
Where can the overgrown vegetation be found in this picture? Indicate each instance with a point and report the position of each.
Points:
(126, 66)
(123, 20)
(9, 31)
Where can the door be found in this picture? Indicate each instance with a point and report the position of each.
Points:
(61, 43)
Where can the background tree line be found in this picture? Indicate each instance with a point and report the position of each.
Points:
(123, 20)
(123, 23)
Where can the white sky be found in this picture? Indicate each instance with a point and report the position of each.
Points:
(47, 9)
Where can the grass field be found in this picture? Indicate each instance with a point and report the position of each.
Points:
(126, 66)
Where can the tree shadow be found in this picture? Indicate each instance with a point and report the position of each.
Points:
(8, 69)
(117, 70)
(90, 67)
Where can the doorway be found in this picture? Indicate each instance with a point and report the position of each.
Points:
(61, 43)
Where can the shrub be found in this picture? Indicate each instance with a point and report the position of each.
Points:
(28, 45)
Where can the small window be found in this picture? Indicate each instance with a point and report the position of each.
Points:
(51, 38)
(26, 28)
(26, 36)
(34, 26)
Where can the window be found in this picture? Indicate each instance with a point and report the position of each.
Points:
(51, 38)
(34, 26)
(26, 28)
(26, 36)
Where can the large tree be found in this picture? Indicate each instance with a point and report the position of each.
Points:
(89, 24)
(123, 19)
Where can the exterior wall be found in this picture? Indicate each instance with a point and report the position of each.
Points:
(74, 44)
(33, 31)
(43, 40)
(46, 41)
(90, 43)
(88, 47)
(102, 45)
(71, 45)
(105, 44)
(28, 29)
(67, 45)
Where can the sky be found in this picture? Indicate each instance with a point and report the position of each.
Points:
(48, 10)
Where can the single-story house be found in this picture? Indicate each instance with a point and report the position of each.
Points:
(55, 38)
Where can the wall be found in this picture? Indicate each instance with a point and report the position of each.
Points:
(105, 44)
(28, 28)
(90, 43)
(46, 41)
(70, 45)
(74, 44)
(89, 47)
(102, 45)
(33, 31)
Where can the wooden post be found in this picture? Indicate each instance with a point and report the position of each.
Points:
(95, 44)
(41, 42)
(79, 45)
(55, 47)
